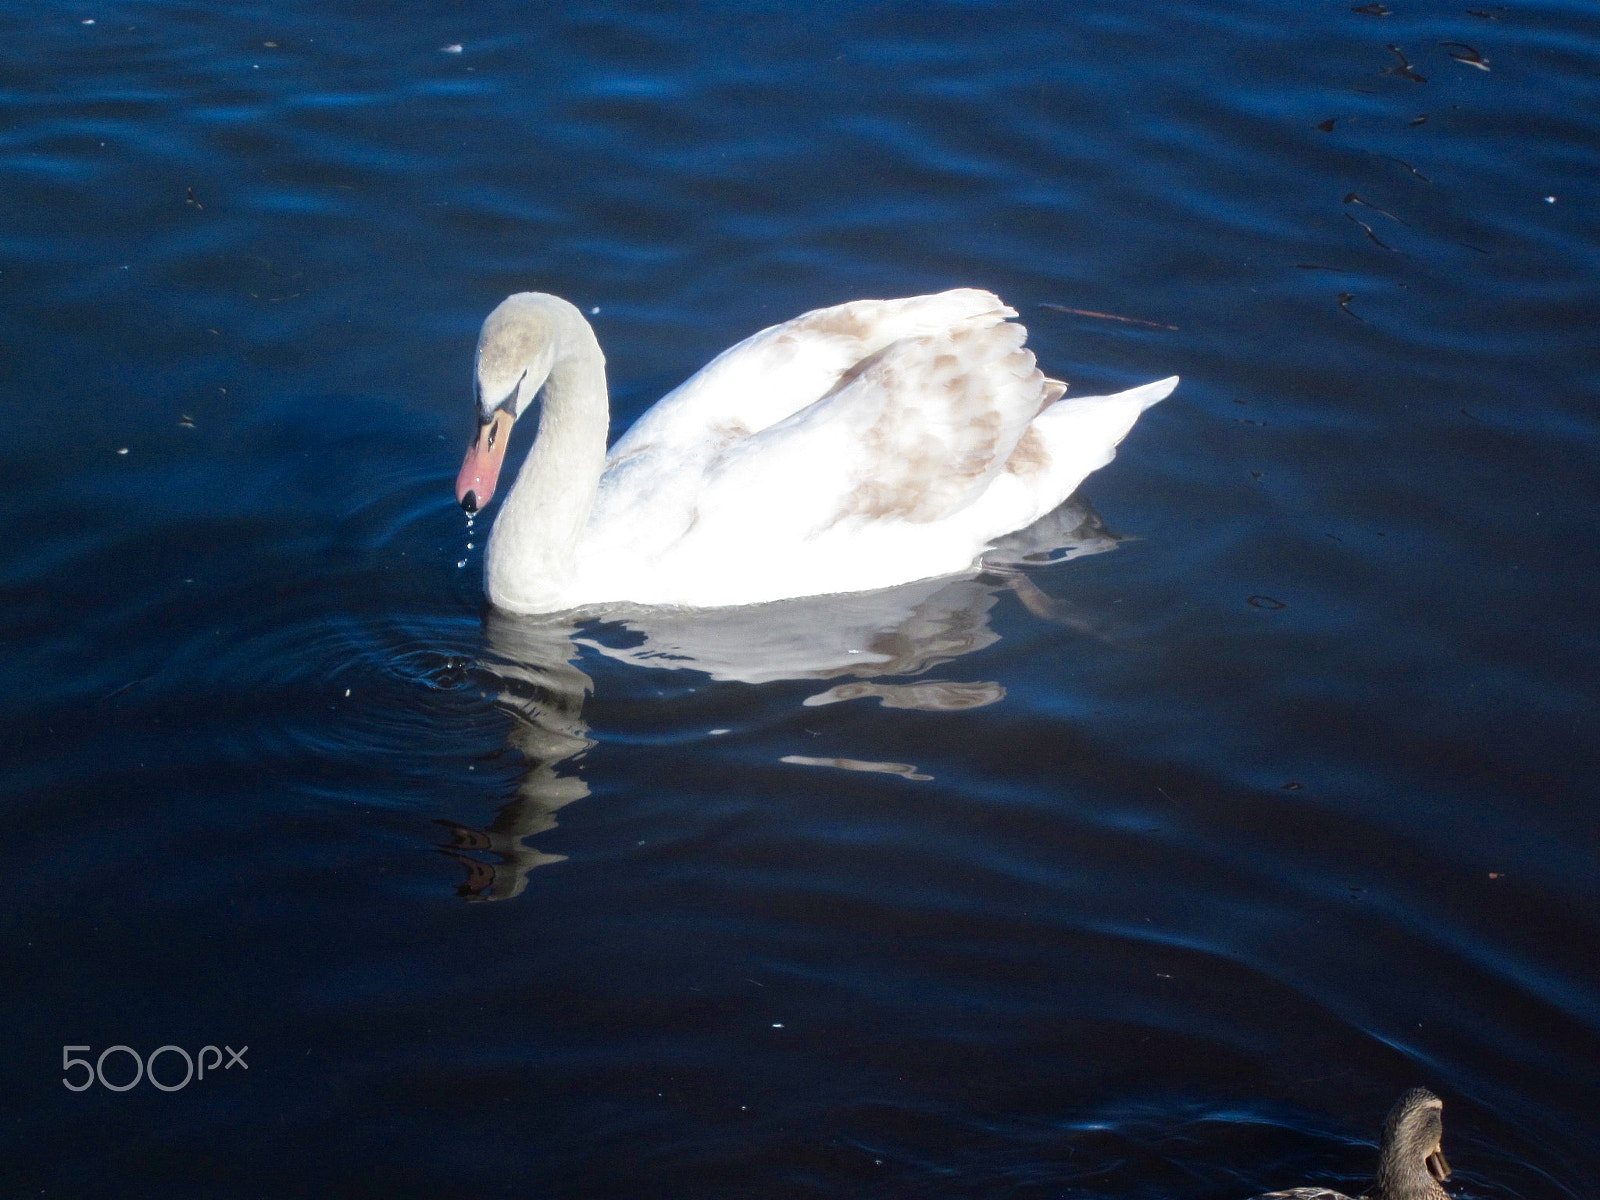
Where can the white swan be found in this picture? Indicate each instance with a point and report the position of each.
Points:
(851, 448)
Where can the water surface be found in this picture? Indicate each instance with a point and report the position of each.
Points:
(1158, 871)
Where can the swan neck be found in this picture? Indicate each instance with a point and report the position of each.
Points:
(532, 552)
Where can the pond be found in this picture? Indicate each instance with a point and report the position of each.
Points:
(1254, 787)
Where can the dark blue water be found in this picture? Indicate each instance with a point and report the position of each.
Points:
(1192, 853)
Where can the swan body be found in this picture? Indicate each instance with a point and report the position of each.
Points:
(852, 448)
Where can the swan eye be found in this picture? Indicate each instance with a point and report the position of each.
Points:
(509, 404)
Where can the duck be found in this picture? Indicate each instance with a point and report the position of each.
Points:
(849, 449)
(1411, 1162)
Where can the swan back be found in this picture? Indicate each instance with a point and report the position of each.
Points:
(775, 373)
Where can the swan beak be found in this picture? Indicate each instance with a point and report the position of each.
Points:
(1437, 1167)
(481, 470)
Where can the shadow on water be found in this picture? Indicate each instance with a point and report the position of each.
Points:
(866, 637)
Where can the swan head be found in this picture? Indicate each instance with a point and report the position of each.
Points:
(516, 350)
(1411, 1158)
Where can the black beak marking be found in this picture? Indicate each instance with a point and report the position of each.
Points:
(469, 502)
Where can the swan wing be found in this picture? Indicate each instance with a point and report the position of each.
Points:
(775, 373)
(653, 490)
(913, 433)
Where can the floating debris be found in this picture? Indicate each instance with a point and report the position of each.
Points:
(1327, 126)
(904, 770)
(190, 198)
(1344, 306)
(185, 421)
(1372, 10)
(1353, 198)
(1084, 312)
(1407, 166)
(452, 48)
(1419, 119)
(1464, 53)
(1375, 238)
(123, 450)
(1266, 602)
(1404, 68)
(132, 683)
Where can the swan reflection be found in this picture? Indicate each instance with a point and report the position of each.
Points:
(864, 637)
(543, 691)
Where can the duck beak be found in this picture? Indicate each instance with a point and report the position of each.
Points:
(481, 470)
(1437, 1167)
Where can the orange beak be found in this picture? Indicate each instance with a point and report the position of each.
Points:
(481, 470)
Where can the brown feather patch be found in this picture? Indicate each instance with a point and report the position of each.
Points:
(1030, 457)
(950, 413)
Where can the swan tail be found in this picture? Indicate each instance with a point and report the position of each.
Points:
(1118, 410)
(1077, 436)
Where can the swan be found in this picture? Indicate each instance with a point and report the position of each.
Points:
(1411, 1163)
(848, 449)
